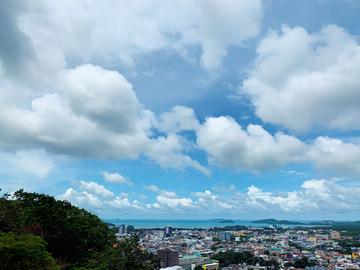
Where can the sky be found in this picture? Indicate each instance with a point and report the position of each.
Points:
(181, 109)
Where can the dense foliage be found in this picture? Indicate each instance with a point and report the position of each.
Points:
(230, 257)
(301, 263)
(24, 251)
(37, 230)
(126, 255)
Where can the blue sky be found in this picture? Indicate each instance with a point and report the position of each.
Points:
(240, 109)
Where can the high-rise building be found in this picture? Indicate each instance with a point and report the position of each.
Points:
(335, 235)
(224, 236)
(123, 229)
(161, 234)
(168, 230)
(168, 257)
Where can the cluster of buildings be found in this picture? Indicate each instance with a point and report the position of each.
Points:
(187, 249)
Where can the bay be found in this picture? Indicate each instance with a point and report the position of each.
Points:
(184, 223)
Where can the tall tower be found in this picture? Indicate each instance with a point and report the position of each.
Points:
(168, 230)
(123, 229)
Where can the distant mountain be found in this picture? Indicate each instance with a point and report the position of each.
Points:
(324, 222)
(227, 221)
(275, 221)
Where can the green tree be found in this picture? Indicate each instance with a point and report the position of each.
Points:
(126, 255)
(302, 263)
(130, 228)
(26, 252)
(10, 216)
(72, 234)
(198, 267)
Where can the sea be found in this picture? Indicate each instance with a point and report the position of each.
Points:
(188, 224)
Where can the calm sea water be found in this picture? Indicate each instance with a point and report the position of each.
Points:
(182, 223)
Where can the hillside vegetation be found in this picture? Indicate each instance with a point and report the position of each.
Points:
(39, 232)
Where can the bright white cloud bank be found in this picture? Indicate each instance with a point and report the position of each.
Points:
(315, 195)
(55, 101)
(253, 148)
(307, 80)
(124, 29)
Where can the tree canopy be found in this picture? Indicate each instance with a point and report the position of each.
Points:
(25, 251)
(56, 229)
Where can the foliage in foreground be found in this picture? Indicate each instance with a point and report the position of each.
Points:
(126, 255)
(24, 251)
(39, 232)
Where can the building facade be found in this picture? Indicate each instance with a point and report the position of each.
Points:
(123, 229)
(168, 230)
(335, 235)
(168, 257)
(224, 236)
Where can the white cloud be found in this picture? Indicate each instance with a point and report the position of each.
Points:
(304, 81)
(178, 119)
(97, 30)
(82, 199)
(167, 151)
(225, 23)
(336, 156)
(94, 113)
(95, 189)
(116, 178)
(125, 195)
(35, 162)
(223, 189)
(162, 193)
(253, 149)
(102, 96)
(143, 197)
(316, 196)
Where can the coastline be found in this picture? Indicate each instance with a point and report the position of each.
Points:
(189, 224)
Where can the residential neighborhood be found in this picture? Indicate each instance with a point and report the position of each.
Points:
(264, 248)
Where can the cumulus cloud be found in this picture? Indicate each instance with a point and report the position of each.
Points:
(143, 197)
(253, 149)
(315, 196)
(81, 199)
(223, 189)
(178, 119)
(96, 29)
(116, 178)
(336, 156)
(94, 189)
(162, 193)
(303, 80)
(35, 162)
(226, 23)
(93, 113)
(167, 151)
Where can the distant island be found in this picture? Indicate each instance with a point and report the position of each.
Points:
(227, 221)
(324, 222)
(275, 221)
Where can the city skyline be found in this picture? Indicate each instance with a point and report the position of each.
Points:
(180, 109)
